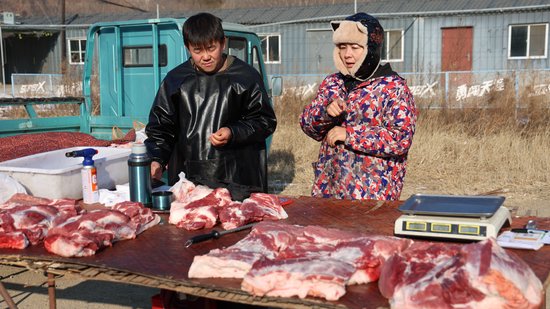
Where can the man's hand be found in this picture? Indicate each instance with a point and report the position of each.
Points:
(220, 137)
(336, 107)
(335, 135)
(156, 170)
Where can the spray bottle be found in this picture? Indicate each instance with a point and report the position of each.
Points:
(90, 189)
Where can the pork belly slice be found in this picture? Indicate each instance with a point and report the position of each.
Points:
(84, 234)
(200, 210)
(76, 245)
(67, 207)
(276, 240)
(236, 260)
(33, 221)
(477, 275)
(367, 254)
(142, 217)
(223, 264)
(302, 277)
(258, 207)
(25, 219)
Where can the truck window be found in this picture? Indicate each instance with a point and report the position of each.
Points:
(142, 56)
(236, 47)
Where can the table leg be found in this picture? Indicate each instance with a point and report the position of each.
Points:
(7, 297)
(51, 290)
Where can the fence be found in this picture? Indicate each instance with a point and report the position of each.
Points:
(457, 89)
(431, 90)
(42, 86)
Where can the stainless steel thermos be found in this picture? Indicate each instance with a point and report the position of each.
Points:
(139, 174)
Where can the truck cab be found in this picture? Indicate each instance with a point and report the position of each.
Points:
(126, 62)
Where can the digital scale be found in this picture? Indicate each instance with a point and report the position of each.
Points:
(452, 216)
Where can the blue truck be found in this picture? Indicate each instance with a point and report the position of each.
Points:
(125, 63)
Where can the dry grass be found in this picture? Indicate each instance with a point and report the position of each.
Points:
(461, 152)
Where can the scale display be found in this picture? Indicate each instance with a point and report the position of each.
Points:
(441, 217)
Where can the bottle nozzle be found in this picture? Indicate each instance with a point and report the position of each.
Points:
(87, 153)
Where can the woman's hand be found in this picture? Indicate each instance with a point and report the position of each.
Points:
(335, 135)
(336, 107)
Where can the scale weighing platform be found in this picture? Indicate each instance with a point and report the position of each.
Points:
(452, 216)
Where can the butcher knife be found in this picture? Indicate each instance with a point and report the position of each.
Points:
(215, 234)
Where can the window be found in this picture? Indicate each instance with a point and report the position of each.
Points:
(271, 47)
(236, 47)
(77, 51)
(142, 56)
(392, 48)
(528, 41)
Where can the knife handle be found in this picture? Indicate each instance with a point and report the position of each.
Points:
(203, 237)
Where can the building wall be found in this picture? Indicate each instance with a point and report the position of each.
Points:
(303, 50)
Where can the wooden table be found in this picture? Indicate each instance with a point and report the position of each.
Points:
(158, 258)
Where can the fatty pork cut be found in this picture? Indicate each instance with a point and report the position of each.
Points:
(275, 257)
(322, 277)
(258, 207)
(199, 208)
(265, 240)
(84, 234)
(25, 219)
(89, 232)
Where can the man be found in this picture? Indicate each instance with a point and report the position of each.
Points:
(364, 116)
(211, 116)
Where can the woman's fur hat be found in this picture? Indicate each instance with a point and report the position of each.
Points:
(362, 29)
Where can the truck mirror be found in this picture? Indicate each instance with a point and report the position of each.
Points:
(276, 86)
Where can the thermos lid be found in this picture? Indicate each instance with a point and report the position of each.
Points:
(139, 148)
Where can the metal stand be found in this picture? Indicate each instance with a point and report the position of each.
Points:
(51, 290)
(7, 297)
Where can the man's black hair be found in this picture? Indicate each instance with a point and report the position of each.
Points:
(202, 29)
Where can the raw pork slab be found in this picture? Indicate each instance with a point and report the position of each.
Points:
(142, 217)
(258, 207)
(84, 234)
(264, 240)
(25, 219)
(199, 210)
(477, 275)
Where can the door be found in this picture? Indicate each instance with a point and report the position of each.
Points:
(456, 55)
(319, 52)
(130, 72)
(456, 48)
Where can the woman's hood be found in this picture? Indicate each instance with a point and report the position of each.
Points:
(362, 29)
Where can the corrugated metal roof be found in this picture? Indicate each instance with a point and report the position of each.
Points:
(380, 8)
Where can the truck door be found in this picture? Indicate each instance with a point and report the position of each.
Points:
(246, 46)
(133, 59)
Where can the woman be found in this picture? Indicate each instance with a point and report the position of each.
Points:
(364, 116)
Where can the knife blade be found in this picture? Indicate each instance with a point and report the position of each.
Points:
(215, 234)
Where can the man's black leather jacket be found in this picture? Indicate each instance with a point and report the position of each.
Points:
(191, 105)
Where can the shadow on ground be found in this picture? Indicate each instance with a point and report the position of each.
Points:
(281, 168)
(99, 293)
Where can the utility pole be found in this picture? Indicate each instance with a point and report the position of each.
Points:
(63, 39)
